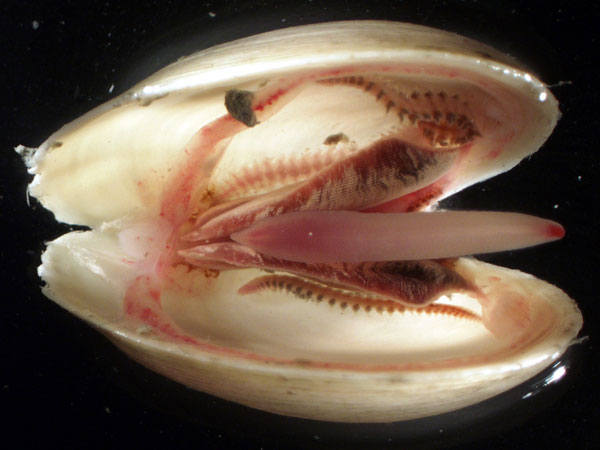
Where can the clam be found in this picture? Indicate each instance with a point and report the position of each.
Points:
(263, 225)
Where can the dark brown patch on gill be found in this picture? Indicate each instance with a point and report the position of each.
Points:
(239, 105)
(442, 118)
(381, 171)
(345, 300)
(388, 166)
(412, 282)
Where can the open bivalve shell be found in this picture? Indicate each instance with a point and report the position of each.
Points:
(320, 122)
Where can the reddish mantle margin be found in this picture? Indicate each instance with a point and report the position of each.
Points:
(142, 302)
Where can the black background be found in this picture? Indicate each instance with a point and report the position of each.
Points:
(63, 384)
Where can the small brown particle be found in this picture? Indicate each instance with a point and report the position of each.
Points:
(335, 138)
(211, 273)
